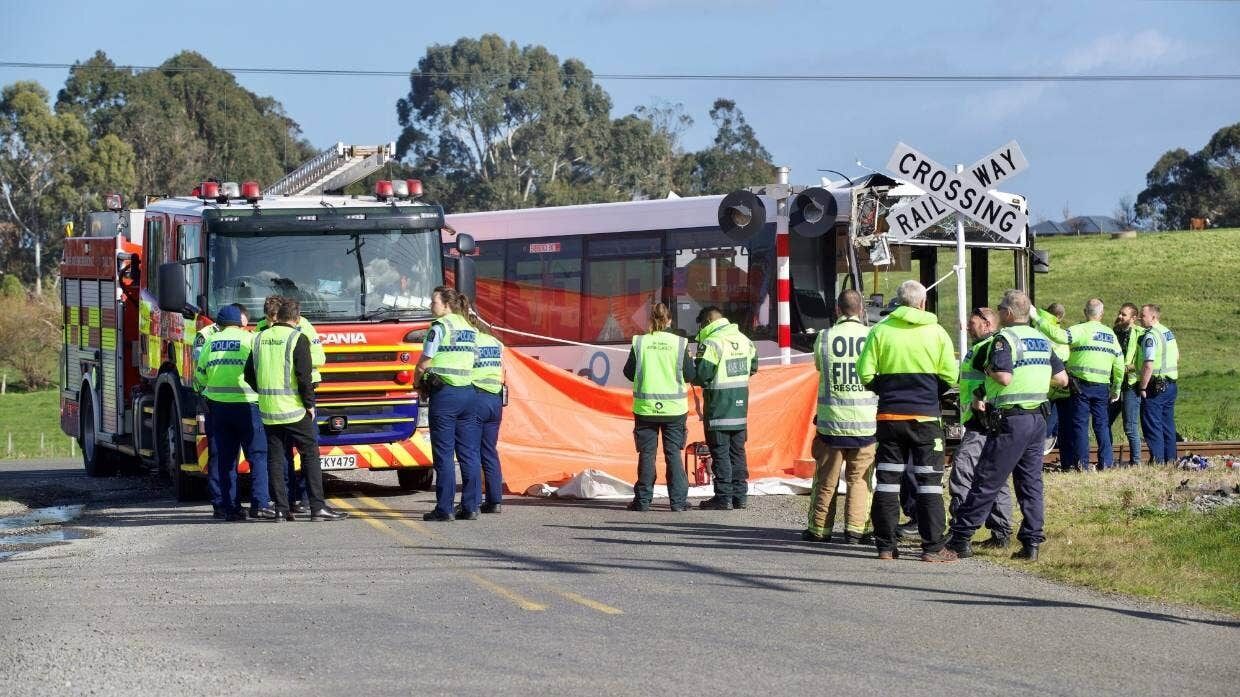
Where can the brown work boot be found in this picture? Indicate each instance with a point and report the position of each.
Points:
(888, 554)
(943, 555)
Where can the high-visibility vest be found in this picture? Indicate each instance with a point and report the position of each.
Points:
(658, 383)
(726, 395)
(1132, 356)
(845, 407)
(1166, 351)
(488, 364)
(1031, 370)
(1095, 355)
(201, 339)
(454, 361)
(278, 400)
(1063, 352)
(971, 378)
(318, 358)
(221, 366)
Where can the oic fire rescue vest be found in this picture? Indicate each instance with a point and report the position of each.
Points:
(726, 393)
(658, 382)
(278, 400)
(971, 378)
(454, 361)
(1095, 356)
(1031, 370)
(488, 364)
(318, 357)
(1166, 351)
(845, 407)
(221, 366)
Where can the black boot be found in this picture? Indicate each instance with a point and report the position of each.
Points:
(995, 541)
(716, 504)
(960, 546)
(1027, 552)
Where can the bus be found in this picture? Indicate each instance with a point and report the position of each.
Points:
(571, 285)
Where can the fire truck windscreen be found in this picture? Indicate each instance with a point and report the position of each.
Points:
(341, 276)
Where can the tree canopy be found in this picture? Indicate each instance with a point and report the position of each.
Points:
(1204, 184)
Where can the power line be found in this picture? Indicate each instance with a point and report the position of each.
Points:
(691, 77)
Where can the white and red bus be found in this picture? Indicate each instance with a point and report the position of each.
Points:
(571, 285)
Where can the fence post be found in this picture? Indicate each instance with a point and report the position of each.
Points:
(9, 452)
(72, 447)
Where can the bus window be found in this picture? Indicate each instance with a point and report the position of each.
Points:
(543, 292)
(489, 266)
(624, 277)
(738, 278)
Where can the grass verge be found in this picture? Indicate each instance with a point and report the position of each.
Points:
(1112, 531)
(30, 421)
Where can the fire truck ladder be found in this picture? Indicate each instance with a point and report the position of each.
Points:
(333, 169)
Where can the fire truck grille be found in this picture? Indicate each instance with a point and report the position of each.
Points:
(362, 376)
(363, 357)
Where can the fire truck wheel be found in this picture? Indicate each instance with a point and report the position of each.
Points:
(419, 479)
(99, 461)
(185, 486)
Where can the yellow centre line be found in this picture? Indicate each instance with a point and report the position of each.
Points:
(522, 602)
(592, 604)
(415, 525)
(404, 539)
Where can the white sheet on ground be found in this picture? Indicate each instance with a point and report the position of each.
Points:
(598, 485)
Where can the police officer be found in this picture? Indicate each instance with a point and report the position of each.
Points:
(446, 372)
(1160, 361)
(279, 370)
(204, 414)
(983, 323)
(318, 358)
(1096, 369)
(1019, 368)
(1128, 332)
(726, 358)
(489, 379)
(233, 407)
(846, 424)
(660, 368)
(908, 361)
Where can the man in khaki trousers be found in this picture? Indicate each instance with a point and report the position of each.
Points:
(846, 425)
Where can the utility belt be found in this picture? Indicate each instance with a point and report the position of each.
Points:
(1158, 385)
(431, 382)
(503, 394)
(991, 420)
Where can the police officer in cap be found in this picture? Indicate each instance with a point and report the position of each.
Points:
(1019, 368)
(232, 406)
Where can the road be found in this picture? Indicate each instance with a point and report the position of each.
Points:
(550, 598)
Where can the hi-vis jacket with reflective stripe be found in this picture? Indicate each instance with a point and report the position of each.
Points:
(1166, 351)
(1095, 355)
(659, 387)
(318, 357)
(1031, 370)
(279, 400)
(845, 407)
(971, 378)
(220, 372)
(454, 361)
(909, 362)
(488, 364)
(1132, 356)
(726, 359)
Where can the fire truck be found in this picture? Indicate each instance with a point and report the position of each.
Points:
(143, 284)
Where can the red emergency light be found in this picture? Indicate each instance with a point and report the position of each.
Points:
(383, 190)
(404, 377)
(209, 190)
(250, 192)
(415, 187)
(113, 202)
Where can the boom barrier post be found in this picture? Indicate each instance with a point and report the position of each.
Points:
(783, 278)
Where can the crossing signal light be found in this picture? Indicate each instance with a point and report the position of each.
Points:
(812, 212)
(742, 214)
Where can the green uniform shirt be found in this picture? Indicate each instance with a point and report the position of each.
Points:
(726, 358)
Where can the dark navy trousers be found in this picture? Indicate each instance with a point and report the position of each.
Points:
(488, 411)
(1158, 424)
(236, 426)
(1015, 451)
(454, 439)
(1091, 403)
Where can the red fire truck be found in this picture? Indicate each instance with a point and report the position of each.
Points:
(137, 292)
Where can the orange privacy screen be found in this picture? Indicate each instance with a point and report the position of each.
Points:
(557, 424)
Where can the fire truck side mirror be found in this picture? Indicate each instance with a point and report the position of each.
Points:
(172, 287)
(466, 273)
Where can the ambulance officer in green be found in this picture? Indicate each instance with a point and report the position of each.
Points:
(726, 359)
(446, 374)
(1020, 367)
(279, 370)
(661, 370)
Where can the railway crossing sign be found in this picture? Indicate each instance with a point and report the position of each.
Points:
(967, 193)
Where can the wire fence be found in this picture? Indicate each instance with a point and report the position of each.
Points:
(25, 446)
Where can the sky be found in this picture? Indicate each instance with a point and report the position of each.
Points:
(1087, 144)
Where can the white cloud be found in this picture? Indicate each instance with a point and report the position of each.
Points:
(1143, 50)
(999, 104)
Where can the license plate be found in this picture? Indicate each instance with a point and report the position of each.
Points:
(338, 462)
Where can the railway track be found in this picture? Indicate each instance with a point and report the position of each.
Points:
(1202, 448)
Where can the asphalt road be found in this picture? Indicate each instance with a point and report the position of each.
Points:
(549, 598)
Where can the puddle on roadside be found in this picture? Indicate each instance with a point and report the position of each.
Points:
(44, 537)
(38, 517)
